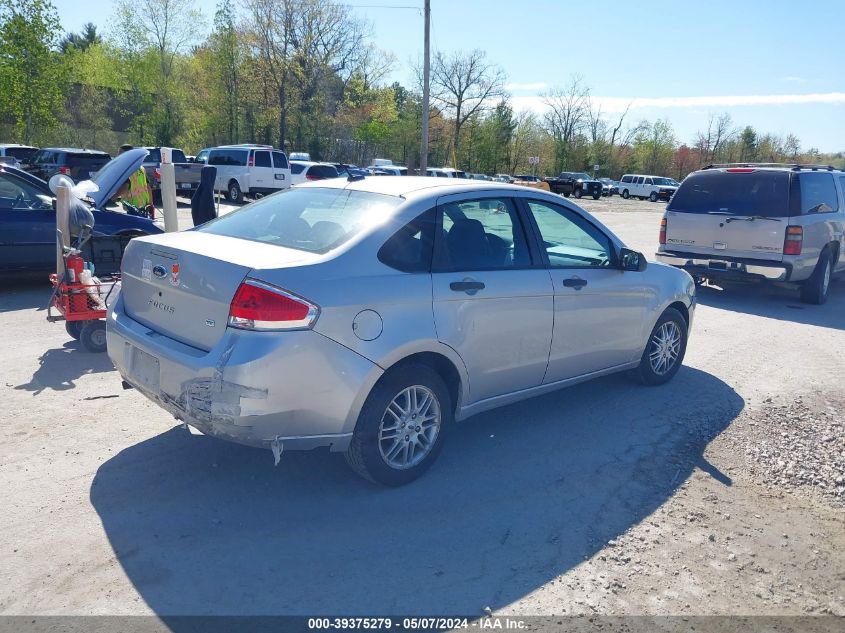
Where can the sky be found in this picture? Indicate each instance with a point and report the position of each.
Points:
(772, 64)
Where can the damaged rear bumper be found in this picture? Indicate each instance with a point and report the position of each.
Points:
(297, 388)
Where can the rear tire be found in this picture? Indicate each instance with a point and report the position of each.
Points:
(653, 197)
(596, 196)
(373, 440)
(817, 288)
(74, 328)
(625, 194)
(665, 349)
(93, 336)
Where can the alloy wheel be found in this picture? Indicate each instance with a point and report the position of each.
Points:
(409, 427)
(665, 348)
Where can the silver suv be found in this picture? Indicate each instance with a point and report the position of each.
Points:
(782, 223)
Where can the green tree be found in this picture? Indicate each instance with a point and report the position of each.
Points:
(31, 71)
(748, 144)
(81, 41)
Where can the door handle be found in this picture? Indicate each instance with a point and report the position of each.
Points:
(469, 287)
(575, 282)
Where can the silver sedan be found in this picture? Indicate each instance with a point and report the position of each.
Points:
(367, 315)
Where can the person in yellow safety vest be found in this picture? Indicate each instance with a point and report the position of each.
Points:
(137, 190)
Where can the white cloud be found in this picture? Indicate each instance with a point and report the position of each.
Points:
(525, 87)
(618, 104)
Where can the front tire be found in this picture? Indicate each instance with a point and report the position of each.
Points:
(625, 194)
(596, 196)
(664, 352)
(578, 194)
(401, 428)
(817, 288)
(234, 192)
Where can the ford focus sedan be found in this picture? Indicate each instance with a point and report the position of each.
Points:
(368, 315)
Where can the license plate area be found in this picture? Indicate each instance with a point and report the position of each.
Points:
(145, 370)
(718, 265)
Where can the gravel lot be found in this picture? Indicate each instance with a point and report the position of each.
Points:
(720, 493)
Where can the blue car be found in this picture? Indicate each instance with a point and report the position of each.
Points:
(28, 218)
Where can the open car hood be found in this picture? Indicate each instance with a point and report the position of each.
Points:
(113, 174)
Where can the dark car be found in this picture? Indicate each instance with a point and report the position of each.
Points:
(609, 187)
(28, 218)
(79, 164)
(576, 184)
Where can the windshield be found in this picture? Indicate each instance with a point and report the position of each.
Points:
(581, 176)
(662, 181)
(764, 193)
(309, 219)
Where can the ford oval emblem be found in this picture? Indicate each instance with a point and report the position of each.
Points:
(160, 272)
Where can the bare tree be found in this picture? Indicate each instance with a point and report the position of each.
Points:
(465, 84)
(720, 131)
(568, 112)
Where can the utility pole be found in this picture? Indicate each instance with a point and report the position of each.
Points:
(425, 104)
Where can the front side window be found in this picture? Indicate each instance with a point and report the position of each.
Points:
(312, 219)
(648, 181)
(481, 234)
(568, 239)
(18, 194)
(626, 179)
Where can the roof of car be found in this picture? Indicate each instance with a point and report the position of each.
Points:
(75, 150)
(407, 185)
(17, 145)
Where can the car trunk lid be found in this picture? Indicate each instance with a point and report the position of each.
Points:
(181, 285)
(740, 213)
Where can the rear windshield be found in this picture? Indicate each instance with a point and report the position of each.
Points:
(307, 219)
(176, 155)
(23, 153)
(323, 171)
(764, 193)
(87, 159)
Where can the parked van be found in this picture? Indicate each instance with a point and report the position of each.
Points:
(653, 188)
(249, 170)
(445, 172)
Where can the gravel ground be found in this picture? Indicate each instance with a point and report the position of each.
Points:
(607, 498)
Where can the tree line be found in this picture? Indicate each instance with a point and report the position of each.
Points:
(307, 75)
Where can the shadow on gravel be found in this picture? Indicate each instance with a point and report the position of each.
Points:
(25, 293)
(60, 367)
(774, 302)
(519, 496)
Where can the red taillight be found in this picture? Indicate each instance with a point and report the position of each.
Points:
(794, 240)
(310, 177)
(739, 170)
(260, 306)
(250, 162)
(663, 231)
(157, 173)
(64, 170)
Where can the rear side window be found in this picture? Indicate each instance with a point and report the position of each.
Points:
(814, 193)
(323, 171)
(296, 168)
(279, 160)
(411, 247)
(228, 157)
(764, 193)
(262, 159)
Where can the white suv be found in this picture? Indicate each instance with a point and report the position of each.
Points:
(783, 223)
(249, 170)
(653, 188)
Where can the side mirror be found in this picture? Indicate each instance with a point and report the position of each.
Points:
(632, 260)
